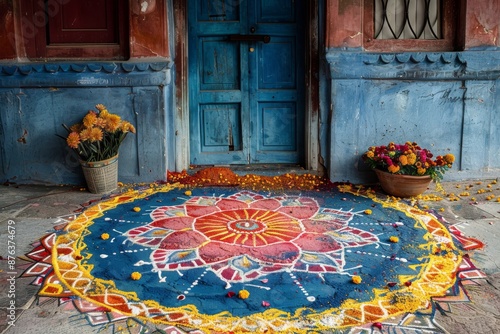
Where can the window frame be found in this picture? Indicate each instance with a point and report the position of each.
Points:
(35, 28)
(449, 42)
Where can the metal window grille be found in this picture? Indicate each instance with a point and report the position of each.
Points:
(408, 19)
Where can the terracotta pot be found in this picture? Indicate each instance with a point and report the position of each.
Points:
(403, 185)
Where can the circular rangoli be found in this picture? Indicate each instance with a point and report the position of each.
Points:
(229, 260)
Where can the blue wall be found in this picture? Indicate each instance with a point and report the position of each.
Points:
(35, 99)
(447, 102)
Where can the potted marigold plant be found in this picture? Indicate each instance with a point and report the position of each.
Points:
(406, 170)
(96, 140)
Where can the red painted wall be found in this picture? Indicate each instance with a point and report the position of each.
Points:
(7, 39)
(148, 29)
(344, 27)
(482, 23)
(344, 23)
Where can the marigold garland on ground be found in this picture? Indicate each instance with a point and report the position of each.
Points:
(223, 176)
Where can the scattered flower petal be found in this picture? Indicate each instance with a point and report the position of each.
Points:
(265, 304)
(231, 294)
(105, 236)
(136, 276)
(243, 294)
(394, 239)
(136, 209)
(356, 279)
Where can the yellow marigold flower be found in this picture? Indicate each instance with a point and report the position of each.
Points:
(449, 158)
(95, 134)
(243, 294)
(100, 122)
(368, 212)
(394, 239)
(100, 107)
(421, 171)
(136, 276)
(370, 154)
(136, 209)
(73, 140)
(113, 122)
(411, 158)
(105, 236)
(127, 127)
(85, 134)
(403, 159)
(393, 169)
(356, 279)
(89, 119)
(188, 193)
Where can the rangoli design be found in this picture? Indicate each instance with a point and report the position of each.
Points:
(295, 255)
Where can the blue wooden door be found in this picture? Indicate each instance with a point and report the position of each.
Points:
(246, 81)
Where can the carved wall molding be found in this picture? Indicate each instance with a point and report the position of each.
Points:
(85, 74)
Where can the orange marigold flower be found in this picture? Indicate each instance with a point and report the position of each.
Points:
(113, 122)
(85, 134)
(449, 158)
(403, 159)
(393, 169)
(76, 127)
(95, 134)
(90, 119)
(73, 140)
(104, 113)
(370, 154)
(127, 127)
(100, 122)
(411, 158)
(356, 279)
(100, 107)
(421, 171)
(136, 276)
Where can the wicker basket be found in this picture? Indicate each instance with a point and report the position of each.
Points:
(101, 176)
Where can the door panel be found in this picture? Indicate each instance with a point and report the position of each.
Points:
(246, 96)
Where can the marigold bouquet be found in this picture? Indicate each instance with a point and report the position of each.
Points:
(98, 136)
(408, 159)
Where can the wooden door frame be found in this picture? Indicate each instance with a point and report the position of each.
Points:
(311, 133)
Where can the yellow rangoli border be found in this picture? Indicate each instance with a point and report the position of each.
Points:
(433, 278)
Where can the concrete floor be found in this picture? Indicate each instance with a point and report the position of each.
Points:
(36, 210)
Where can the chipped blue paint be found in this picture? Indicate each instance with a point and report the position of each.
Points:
(37, 98)
(447, 102)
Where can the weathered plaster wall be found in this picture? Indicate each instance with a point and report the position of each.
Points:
(482, 24)
(447, 102)
(344, 27)
(7, 28)
(344, 23)
(149, 33)
(36, 99)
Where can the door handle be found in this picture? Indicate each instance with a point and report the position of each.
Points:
(250, 38)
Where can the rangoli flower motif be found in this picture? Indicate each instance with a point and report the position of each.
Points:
(246, 236)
